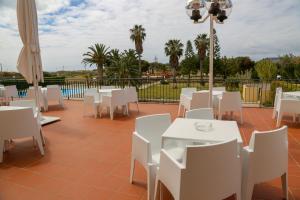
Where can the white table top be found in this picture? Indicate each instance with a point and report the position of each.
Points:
(7, 108)
(185, 129)
(108, 90)
(294, 94)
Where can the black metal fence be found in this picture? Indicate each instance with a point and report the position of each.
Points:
(163, 90)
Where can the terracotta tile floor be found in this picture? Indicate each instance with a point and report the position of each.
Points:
(89, 158)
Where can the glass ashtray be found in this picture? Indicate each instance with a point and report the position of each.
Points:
(203, 126)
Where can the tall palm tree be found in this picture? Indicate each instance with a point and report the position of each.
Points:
(138, 35)
(97, 55)
(201, 43)
(174, 49)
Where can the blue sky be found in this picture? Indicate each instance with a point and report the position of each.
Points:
(256, 28)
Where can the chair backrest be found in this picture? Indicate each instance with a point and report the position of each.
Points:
(18, 123)
(118, 97)
(151, 128)
(131, 94)
(201, 113)
(188, 91)
(222, 89)
(270, 153)
(108, 87)
(200, 100)
(290, 106)
(212, 171)
(25, 103)
(231, 101)
(53, 92)
(31, 94)
(91, 91)
(278, 97)
(11, 91)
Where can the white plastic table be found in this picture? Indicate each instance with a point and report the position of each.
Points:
(186, 130)
(7, 108)
(106, 92)
(292, 94)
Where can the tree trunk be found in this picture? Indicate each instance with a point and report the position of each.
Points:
(201, 72)
(100, 72)
(140, 65)
(189, 79)
(174, 78)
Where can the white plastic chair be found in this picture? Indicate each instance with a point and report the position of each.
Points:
(117, 98)
(24, 125)
(201, 113)
(132, 96)
(91, 98)
(11, 92)
(199, 100)
(185, 92)
(277, 99)
(222, 89)
(290, 106)
(54, 94)
(43, 101)
(210, 172)
(230, 102)
(264, 159)
(146, 146)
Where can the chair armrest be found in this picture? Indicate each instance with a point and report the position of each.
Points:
(169, 172)
(141, 149)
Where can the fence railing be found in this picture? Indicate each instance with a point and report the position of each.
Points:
(163, 90)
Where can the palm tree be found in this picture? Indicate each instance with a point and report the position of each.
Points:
(124, 65)
(97, 55)
(174, 49)
(201, 43)
(138, 35)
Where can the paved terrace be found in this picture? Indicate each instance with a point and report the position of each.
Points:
(89, 158)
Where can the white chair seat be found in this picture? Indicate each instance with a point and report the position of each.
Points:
(176, 153)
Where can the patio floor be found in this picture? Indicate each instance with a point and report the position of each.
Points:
(89, 158)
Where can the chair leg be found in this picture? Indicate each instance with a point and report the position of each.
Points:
(220, 116)
(137, 105)
(127, 109)
(40, 144)
(179, 109)
(95, 111)
(279, 118)
(132, 167)
(274, 114)
(111, 111)
(284, 183)
(294, 118)
(1, 149)
(241, 113)
(157, 192)
(238, 195)
(151, 176)
(248, 190)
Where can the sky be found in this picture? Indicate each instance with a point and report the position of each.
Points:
(255, 28)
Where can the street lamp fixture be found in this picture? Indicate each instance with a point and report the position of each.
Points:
(218, 11)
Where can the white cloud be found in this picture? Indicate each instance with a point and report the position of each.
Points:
(255, 28)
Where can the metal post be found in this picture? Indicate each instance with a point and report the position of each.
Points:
(211, 62)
